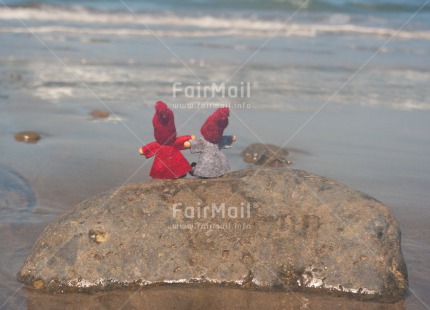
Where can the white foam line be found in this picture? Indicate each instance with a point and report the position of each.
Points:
(293, 30)
(216, 25)
(113, 31)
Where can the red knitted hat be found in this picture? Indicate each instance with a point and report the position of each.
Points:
(213, 129)
(164, 124)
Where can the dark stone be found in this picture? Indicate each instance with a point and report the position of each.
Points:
(27, 136)
(99, 114)
(267, 155)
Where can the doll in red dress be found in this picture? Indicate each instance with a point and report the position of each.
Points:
(169, 163)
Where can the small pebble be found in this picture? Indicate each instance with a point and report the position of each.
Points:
(27, 136)
(99, 114)
(15, 76)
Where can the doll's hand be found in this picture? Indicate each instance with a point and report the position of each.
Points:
(187, 144)
(140, 151)
(233, 138)
(193, 137)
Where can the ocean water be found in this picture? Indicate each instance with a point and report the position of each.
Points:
(312, 48)
(345, 81)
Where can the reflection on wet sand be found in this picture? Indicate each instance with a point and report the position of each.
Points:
(179, 297)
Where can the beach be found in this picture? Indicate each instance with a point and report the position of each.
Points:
(344, 88)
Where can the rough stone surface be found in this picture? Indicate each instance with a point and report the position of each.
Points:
(300, 232)
(267, 155)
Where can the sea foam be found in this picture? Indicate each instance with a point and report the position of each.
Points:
(90, 21)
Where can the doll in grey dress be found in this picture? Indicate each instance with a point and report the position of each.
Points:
(212, 162)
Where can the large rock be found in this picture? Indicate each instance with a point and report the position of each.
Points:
(274, 229)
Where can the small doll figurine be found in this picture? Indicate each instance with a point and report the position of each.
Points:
(169, 163)
(212, 163)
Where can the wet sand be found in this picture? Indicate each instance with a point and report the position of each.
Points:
(178, 297)
(381, 152)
